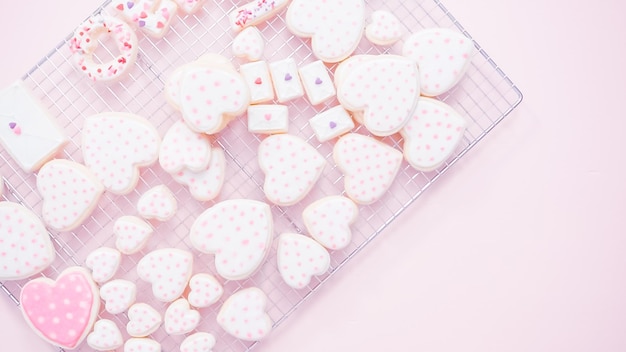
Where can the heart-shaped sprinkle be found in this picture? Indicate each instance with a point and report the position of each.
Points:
(143, 15)
(288, 77)
(160, 25)
(332, 124)
(142, 23)
(268, 117)
(120, 7)
(12, 125)
(130, 4)
(17, 130)
(318, 81)
(258, 80)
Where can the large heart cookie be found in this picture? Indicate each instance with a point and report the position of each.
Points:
(103, 263)
(25, 247)
(300, 258)
(168, 270)
(180, 318)
(62, 312)
(183, 149)
(432, 134)
(106, 336)
(249, 44)
(70, 193)
(239, 232)
(369, 166)
(115, 145)
(204, 290)
(328, 221)
(443, 56)
(243, 315)
(335, 27)
(143, 320)
(118, 295)
(291, 167)
(198, 342)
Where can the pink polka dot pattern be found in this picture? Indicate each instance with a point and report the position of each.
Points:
(179, 318)
(131, 234)
(118, 295)
(190, 6)
(62, 311)
(369, 166)
(70, 193)
(385, 88)
(141, 345)
(143, 320)
(157, 203)
(205, 290)
(249, 44)
(238, 232)
(150, 16)
(198, 342)
(291, 167)
(443, 57)
(183, 148)
(384, 29)
(432, 134)
(103, 263)
(205, 185)
(116, 145)
(168, 270)
(300, 258)
(334, 26)
(106, 336)
(243, 315)
(328, 221)
(25, 246)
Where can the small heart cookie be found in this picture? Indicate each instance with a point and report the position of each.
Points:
(143, 320)
(204, 290)
(168, 270)
(103, 263)
(141, 345)
(249, 44)
(205, 185)
(300, 258)
(157, 203)
(131, 234)
(106, 336)
(183, 149)
(328, 221)
(198, 342)
(118, 295)
(180, 318)
(190, 6)
(384, 28)
(243, 315)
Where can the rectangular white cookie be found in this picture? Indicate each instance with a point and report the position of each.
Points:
(331, 123)
(257, 76)
(317, 83)
(268, 119)
(286, 80)
(27, 130)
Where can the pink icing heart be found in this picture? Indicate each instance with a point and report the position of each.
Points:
(61, 311)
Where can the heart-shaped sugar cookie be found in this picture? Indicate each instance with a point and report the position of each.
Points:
(157, 203)
(179, 318)
(300, 258)
(118, 295)
(143, 320)
(168, 270)
(131, 234)
(153, 17)
(384, 28)
(106, 336)
(103, 263)
(328, 221)
(249, 44)
(243, 315)
(369, 166)
(205, 185)
(204, 290)
(443, 57)
(25, 246)
(142, 345)
(198, 342)
(239, 232)
(183, 149)
(190, 6)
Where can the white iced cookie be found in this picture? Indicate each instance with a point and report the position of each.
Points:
(118, 295)
(243, 315)
(103, 263)
(152, 17)
(384, 28)
(143, 320)
(205, 290)
(443, 56)
(257, 76)
(317, 83)
(328, 221)
(157, 203)
(190, 6)
(180, 318)
(331, 123)
(25, 246)
(385, 88)
(183, 149)
(238, 232)
(368, 165)
(131, 234)
(87, 39)
(70, 193)
(168, 270)
(141, 345)
(432, 134)
(300, 258)
(254, 13)
(286, 80)
(291, 166)
(28, 132)
(115, 145)
(249, 44)
(106, 336)
(198, 342)
(335, 27)
(205, 185)
(268, 119)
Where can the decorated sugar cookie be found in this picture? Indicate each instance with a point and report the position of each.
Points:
(118, 295)
(103, 263)
(143, 320)
(255, 12)
(180, 318)
(168, 270)
(328, 221)
(152, 17)
(198, 342)
(243, 315)
(384, 28)
(131, 234)
(300, 258)
(205, 290)
(249, 44)
(157, 203)
(190, 6)
(142, 344)
(205, 185)
(106, 336)
(184, 149)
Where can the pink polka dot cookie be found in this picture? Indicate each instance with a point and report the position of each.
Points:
(205, 185)
(205, 290)
(368, 165)
(106, 336)
(168, 270)
(384, 28)
(143, 320)
(141, 344)
(432, 134)
(443, 56)
(198, 342)
(61, 311)
(238, 232)
(180, 318)
(183, 149)
(249, 44)
(335, 27)
(25, 246)
(70, 193)
(103, 263)
(300, 258)
(291, 167)
(118, 295)
(328, 221)
(152, 17)
(255, 12)
(131, 234)
(243, 315)
(157, 203)
(190, 6)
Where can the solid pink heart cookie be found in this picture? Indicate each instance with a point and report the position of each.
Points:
(168, 270)
(205, 290)
(328, 221)
(180, 318)
(443, 57)
(61, 311)
(300, 258)
(243, 315)
(106, 336)
(369, 166)
(183, 149)
(432, 135)
(25, 246)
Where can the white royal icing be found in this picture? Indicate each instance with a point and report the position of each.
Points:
(180, 318)
(103, 263)
(190, 6)
(183, 148)
(328, 221)
(286, 80)
(384, 28)
(143, 320)
(249, 44)
(331, 123)
(141, 345)
(198, 342)
(157, 203)
(153, 17)
(268, 119)
(257, 76)
(255, 12)
(106, 336)
(243, 315)
(205, 185)
(118, 295)
(300, 258)
(131, 234)
(317, 83)
(168, 270)
(205, 290)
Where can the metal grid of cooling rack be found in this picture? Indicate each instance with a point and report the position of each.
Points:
(485, 96)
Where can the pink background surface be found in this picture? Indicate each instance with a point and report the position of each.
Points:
(519, 248)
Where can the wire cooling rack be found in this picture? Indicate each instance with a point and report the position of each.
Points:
(485, 96)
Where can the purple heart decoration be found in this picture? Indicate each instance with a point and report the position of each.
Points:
(130, 4)
(318, 81)
(288, 77)
(142, 23)
(12, 125)
(332, 124)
